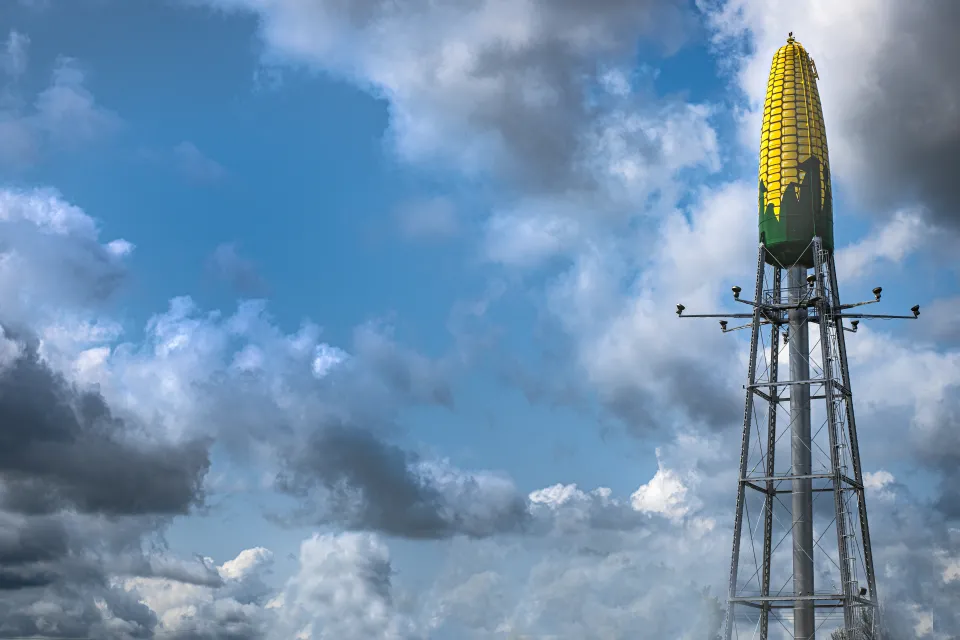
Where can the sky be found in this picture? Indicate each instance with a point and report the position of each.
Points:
(331, 319)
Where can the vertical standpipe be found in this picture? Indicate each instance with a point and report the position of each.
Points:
(801, 443)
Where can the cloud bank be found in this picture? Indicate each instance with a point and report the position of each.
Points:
(113, 436)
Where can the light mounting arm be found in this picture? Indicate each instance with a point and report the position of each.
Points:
(915, 309)
(681, 309)
(876, 293)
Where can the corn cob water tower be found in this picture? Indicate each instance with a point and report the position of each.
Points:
(802, 565)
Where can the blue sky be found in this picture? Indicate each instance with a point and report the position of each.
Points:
(487, 216)
(308, 195)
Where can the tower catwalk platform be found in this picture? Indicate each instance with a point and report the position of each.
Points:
(800, 479)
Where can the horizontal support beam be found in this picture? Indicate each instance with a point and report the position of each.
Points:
(775, 308)
(784, 398)
(816, 605)
(820, 600)
(753, 480)
(785, 383)
(760, 489)
(770, 310)
(791, 598)
(824, 490)
(810, 476)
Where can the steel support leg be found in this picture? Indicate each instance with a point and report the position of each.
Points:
(854, 448)
(744, 449)
(774, 393)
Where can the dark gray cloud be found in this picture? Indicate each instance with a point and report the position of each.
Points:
(199, 572)
(79, 491)
(62, 447)
(38, 540)
(368, 484)
(909, 126)
(911, 572)
(941, 321)
(940, 449)
(638, 399)
(242, 274)
(545, 138)
(685, 387)
(551, 376)
(948, 500)
(937, 448)
(55, 568)
(406, 375)
(70, 611)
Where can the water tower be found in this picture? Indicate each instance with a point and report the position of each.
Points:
(802, 562)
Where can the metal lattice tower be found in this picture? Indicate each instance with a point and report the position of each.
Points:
(800, 475)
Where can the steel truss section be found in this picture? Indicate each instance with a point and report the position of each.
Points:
(753, 591)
